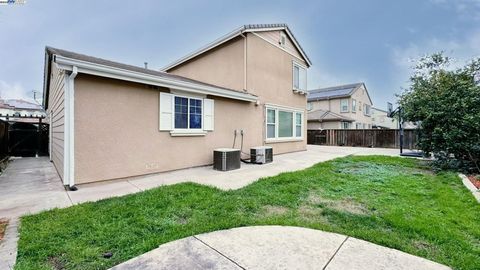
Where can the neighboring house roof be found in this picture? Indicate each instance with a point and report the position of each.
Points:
(20, 108)
(380, 110)
(327, 116)
(19, 104)
(340, 91)
(238, 32)
(101, 67)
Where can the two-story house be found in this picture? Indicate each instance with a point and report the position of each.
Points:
(111, 120)
(340, 107)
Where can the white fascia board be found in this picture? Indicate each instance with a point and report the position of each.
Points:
(298, 47)
(127, 75)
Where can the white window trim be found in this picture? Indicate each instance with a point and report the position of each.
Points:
(300, 66)
(341, 106)
(186, 130)
(354, 107)
(294, 112)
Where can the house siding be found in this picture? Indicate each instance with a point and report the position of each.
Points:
(117, 131)
(56, 111)
(274, 37)
(222, 66)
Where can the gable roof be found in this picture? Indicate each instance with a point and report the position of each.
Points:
(238, 32)
(87, 63)
(340, 91)
(326, 116)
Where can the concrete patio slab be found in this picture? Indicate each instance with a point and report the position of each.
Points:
(236, 179)
(187, 253)
(277, 247)
(97, 191)
(363, 255)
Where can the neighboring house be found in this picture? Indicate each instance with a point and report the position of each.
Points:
(20, 110)
(111, 120)
(381, 120)
(340, 107)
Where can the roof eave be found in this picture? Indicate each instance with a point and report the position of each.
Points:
(127, 75)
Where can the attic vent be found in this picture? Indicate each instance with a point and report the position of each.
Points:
(283, 39)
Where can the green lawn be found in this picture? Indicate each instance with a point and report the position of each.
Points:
(393, 202)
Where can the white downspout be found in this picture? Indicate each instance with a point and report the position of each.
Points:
(70, 130)
(50, 134)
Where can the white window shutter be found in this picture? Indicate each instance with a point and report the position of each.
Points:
(166, 111)
(208, 114)
(303, 79)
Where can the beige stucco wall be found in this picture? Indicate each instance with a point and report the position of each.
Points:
(268, 75)
(117, 131)
(117, 122)
(333, 105)
(56, 112)
(222, 66)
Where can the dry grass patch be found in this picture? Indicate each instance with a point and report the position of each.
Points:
(3, 227)
(346, 205)
(274, 210)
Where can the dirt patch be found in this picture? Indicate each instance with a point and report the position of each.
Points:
(3, 227)
(475, 179)
(345, 205)
(274, 210)
(56, 263)
(182, 220)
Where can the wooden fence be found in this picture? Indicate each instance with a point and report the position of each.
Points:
(387, 138)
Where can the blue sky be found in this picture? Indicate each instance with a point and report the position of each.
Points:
(373, 41)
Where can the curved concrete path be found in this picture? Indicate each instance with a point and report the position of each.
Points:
(275, 247)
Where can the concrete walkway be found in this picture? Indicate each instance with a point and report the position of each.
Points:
(32, 185)
(205, 175)
(276, 247)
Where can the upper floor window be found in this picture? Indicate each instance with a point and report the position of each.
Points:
(366, 109)
(299, 77)
(360, 106)
(354, 105)
(309, 106)
(344, 105)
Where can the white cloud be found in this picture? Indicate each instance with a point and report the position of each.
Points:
(14, 91)
(466, 9)
(459, 50)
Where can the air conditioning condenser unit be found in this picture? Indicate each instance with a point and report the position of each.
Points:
(261, 154)
(226, 159)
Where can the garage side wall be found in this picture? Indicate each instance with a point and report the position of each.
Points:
(56, 111)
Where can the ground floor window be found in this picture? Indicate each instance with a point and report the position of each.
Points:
(188, 113)
(284, 123)
(345, 125)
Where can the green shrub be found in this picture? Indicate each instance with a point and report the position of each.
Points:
(446, 103)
